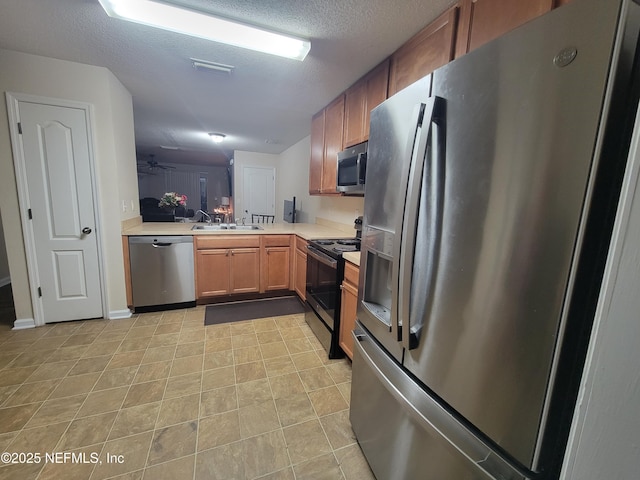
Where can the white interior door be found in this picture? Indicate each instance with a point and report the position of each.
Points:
(57, 155)
(259, 190)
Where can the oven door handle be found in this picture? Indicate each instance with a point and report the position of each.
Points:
(322, 257)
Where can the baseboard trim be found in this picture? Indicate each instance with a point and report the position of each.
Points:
(24, 323)
(5, 281)
(119, 314)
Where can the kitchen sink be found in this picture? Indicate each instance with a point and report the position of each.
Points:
(223, 226)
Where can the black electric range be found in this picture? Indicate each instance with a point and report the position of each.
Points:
(325, 271)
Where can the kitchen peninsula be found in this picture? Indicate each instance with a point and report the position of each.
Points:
(240, 263)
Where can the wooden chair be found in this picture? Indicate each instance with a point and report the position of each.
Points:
(260, 218)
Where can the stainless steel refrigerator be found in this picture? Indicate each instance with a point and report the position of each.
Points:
(491, 189)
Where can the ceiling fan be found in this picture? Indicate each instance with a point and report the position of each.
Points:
(151, 166)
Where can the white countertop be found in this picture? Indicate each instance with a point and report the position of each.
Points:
(308, 231)
(352, 257)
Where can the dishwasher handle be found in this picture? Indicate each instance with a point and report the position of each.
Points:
(161, 244)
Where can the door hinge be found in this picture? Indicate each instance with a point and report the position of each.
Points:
(30, 214)
(20, 128)
(39, 292)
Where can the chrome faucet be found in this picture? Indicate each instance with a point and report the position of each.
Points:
(205, 216)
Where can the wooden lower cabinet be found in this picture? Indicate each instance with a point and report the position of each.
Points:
(227, 265)
(244, 270)
(348, 307)
(227, 271)
(300, 268)
(213, 272)
(276, 262)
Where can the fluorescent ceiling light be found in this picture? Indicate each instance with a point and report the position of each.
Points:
(217, 137)
(198, 24)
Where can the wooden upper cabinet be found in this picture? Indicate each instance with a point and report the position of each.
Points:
(326, 141)
(362, 97)
(431, 48)
(317, 153)
(484, 20)
(354, 112)
(333, 130)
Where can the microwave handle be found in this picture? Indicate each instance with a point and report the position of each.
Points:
(360, 164)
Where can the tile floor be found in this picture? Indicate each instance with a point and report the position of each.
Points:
(161, 396)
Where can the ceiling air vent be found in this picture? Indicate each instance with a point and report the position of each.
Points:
(205, 65)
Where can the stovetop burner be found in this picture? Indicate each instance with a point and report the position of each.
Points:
(348, 242)
(336, 247)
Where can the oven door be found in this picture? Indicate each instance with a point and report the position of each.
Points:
(322, 285)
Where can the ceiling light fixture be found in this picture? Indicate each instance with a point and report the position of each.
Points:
(217, 137)
(198, 24)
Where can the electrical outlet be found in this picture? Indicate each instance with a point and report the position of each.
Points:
(124, 206)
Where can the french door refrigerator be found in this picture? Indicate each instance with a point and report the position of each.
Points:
(491, 189)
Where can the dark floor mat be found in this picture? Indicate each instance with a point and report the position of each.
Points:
(251, 309)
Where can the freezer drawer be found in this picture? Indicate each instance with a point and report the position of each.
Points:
(413, 436)
(162, 271)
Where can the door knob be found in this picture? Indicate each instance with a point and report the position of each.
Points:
(86, 230)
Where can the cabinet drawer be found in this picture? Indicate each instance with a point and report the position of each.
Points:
(276, 240)
(301, 244)
(227, 241)
(351, 273)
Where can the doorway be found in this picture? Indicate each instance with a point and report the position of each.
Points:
(53, 157)
(259, 190)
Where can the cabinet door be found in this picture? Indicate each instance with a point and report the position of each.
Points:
(377, 88)
(245, 270)
(275, 268)
(483, 20)
(431, 48)
(300, 275)
(355, 107)
(212, 272)
(362, 97)
(317, 153)
(333, 129)
(348, 309)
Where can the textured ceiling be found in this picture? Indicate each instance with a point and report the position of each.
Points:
(265, 105)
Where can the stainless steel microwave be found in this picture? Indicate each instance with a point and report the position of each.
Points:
(352, 169)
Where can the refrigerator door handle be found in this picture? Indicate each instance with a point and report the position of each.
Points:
(411, 150)
(407, 242)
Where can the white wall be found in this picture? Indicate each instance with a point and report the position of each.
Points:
(5, 278)
(114, 153)
(605, 436)
(293, 179)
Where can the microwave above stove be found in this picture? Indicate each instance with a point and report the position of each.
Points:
(352, 169)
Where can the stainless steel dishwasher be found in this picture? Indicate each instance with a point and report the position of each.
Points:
(162, 272)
